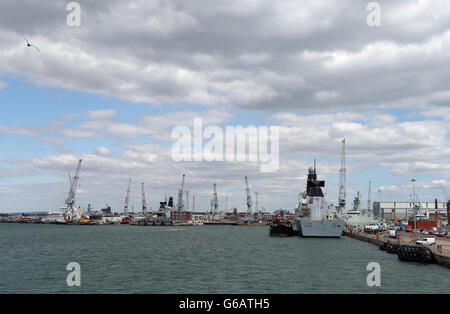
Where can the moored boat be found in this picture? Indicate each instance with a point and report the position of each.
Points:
(281, 228)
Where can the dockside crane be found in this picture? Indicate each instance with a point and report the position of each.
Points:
(444, 192)
(70, 201)
(216, 201)
(180, 197)
(447, 199)
(342, 179)
(249, 200)
(226, 203)
(127, 199)
(144, 203)
(257, 210)
(180, 194)
(187, 200)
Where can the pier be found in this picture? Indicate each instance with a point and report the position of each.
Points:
(441, 250)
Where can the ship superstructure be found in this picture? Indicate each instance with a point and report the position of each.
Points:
(357, 216)
(314, 217)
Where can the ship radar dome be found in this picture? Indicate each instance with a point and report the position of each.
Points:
(311, 170)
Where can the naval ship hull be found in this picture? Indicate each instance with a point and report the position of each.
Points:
(319, 228)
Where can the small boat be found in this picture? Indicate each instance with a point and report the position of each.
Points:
(281, 228)
(85, 221)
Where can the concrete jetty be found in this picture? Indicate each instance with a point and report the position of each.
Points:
(441, 250)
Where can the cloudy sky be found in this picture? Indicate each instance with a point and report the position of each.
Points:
(111, 90)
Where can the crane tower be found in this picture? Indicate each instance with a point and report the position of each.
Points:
(180, 198)
(216, 202)
(127, 199)
(180, 194)
(144, 203)
(249, 200)
(70, 201)
(342, 179)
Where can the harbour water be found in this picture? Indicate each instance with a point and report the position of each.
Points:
(199, 259)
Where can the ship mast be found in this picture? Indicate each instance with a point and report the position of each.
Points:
(342, 179)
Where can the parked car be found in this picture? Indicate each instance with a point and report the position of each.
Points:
(426, 241)
(392, 234)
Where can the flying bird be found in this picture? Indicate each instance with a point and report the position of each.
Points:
(30, 45)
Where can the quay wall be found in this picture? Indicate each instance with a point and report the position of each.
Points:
(441, 256)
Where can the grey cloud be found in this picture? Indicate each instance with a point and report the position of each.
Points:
(257, 55)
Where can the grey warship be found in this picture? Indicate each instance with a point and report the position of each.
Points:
(313, 217)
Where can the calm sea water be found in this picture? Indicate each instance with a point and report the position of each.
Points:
(199, 259)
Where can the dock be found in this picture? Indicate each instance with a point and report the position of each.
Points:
(441, 250)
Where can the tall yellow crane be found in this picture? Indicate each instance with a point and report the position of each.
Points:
(394, 216)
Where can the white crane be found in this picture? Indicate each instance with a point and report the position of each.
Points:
(180, 205)
(257, 210)
(187, 200)
(444, 192)
(70, 201)
(226, 203)
(216, 201)
(249, 200)
(144, 203)
(127, 199)
(180, 194)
